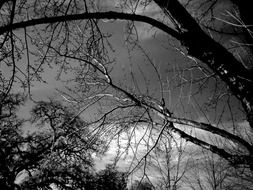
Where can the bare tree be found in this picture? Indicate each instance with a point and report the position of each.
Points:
(57, 155)
(68, 36)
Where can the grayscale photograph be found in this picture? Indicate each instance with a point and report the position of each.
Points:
(126, 95)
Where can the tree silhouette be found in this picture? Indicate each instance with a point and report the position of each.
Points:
(110, 178)
(39, 158)
(137, 185)
(11, 143)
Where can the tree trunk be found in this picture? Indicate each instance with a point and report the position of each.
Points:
(223, 63)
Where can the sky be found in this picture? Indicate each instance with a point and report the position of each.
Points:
(168, 62)
(166, 58)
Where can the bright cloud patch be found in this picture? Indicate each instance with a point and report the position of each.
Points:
(144, 31)
(140, 148)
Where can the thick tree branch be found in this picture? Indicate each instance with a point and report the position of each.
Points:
(200, 125)
(233, 159)
(86, 16)
(219, 59)
(213, 130)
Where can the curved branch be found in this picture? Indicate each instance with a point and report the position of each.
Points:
(97, 15)
(214, 130)
(203, 126)
(203, 144)
(233, 159)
